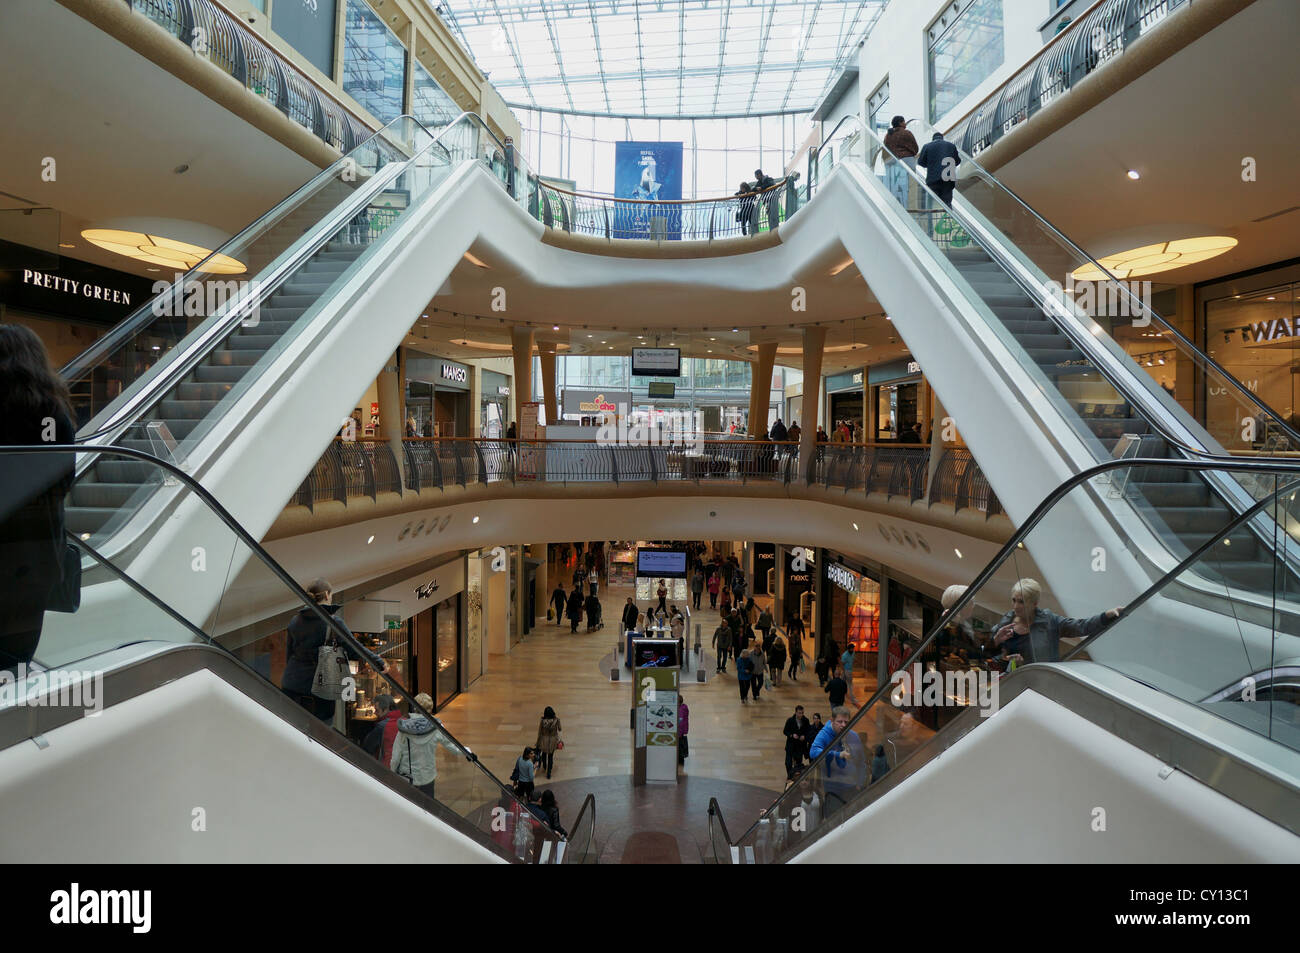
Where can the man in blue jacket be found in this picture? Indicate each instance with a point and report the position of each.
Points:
(845, 767)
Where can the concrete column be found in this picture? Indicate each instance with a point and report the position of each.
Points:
(546, 354)
(814, 341)
(1186, 373)
(760, 387)
(778, 590)
(392, 409)
(521, 342)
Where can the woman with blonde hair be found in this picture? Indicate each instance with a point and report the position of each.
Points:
(416, 746)
(1035, 634)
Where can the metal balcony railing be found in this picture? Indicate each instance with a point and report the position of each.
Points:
(367, 467)
(220, 38)
(1085, 46)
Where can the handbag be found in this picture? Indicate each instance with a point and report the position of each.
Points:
(65, 595)
(331, 667)
(559, 746)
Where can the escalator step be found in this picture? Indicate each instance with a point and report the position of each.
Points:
(229, 358)
(1191, 493)
(87, 519)
(194, 391)
(170, 408)
(218, 373)
(102, 495)
(120, 470)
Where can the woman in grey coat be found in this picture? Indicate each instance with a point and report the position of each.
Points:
(416, 746)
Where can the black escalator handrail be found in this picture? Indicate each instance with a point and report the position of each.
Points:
(1010, 547)
(340, 632)
(715, 810)
(1140, 396)
(122, 332)
(588, 804)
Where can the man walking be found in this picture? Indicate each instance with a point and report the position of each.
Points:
(697, 588)
(629, 615)
(722, 646)
(940, 159)
(796, 742)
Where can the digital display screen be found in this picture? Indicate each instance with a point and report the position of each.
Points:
(661, 389)
(667, 563)
(655, 653)
(657, 361)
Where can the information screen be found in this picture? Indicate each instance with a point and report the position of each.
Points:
(666, 563)
(655, 653)
(657, 361)
(661, 389)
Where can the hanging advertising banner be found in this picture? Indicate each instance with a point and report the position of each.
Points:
(531, 455)
(650, 172)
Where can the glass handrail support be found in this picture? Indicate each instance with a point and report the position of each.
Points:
(1220, 645)
(192, 605)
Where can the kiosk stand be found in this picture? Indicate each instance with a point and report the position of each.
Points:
(656, 675)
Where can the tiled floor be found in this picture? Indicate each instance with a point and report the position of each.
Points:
(737, 751)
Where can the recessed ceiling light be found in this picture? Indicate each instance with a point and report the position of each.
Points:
(153, 269)
(589, 335)
(476, 519)
(370, 540)
(555, 327)
(735, 330)
(474, 261)
(1134, 174)
(958, 552)
(66, 245)
(855, 526)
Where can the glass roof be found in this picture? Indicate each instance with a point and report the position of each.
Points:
(664, 57)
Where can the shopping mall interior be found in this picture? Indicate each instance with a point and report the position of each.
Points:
(928, 365)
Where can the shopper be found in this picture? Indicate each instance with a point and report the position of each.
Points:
(901, 150)
(697, 589)
(676, 622)
(766, 626)
(559, 600)
(796, 742)
(379, 740)
(822, 436)
(39, 571)
(794, 433)
(629, 615)
(575, 608)
(551, 813)
(778, 432)
(940, 159)
(1035, 634)
(415, 747)
(836, 687)
(814, 726)
(879, 764)
(714, 579)
(794, 635)
(722, 646)
(758, 666)
(737, 586)
(770, 197)
(846, 666)
(683, 728)
(744, 674)
(592, 607)
(523, 773)
(662, 593)
(845, 767)
(776, 661)
(745, 207)
(548, 740)
(725, 605)
(307, 634)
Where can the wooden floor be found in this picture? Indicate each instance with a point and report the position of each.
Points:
(729, 741)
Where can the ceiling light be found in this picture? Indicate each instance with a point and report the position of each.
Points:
(370, 540)
(1134, 174)
(841, 266)
(555, 327)
(855, 526)
(66, 245)
(476, 519)
(474, 261)
(589, 335)
(494, 346)
(958, 552)
(1162, 256)
(158, 250)
(735, 330)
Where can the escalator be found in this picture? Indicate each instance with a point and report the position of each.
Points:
(1061, 351)
(1023, 749)
(222, 669)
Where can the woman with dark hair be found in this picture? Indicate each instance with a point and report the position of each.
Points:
(552, 811)
(548, 739)
(35, 557)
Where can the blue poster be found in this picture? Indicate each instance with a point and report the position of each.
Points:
(651, 173)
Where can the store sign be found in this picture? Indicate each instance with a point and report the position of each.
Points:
(503, 391)
(1272, 331)
(843, 577)
(454, 372)
(68, 286)
(595, 401)
(427, 590)
(913, 367)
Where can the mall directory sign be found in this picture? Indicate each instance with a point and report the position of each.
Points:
(655, 693)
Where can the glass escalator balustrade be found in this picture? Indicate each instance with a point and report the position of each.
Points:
(1225, 641)
(217, 586)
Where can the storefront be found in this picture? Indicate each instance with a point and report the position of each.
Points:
(852, 612)
(494, 404)
(70, 304)
(1251, 326)
(844, 402)
(800, 588)
(425, 613)
(764, 555)
(438, 395)
(896, 399)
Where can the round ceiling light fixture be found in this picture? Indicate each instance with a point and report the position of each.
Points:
(494, 346)
(157, 250)
(1162, 256)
